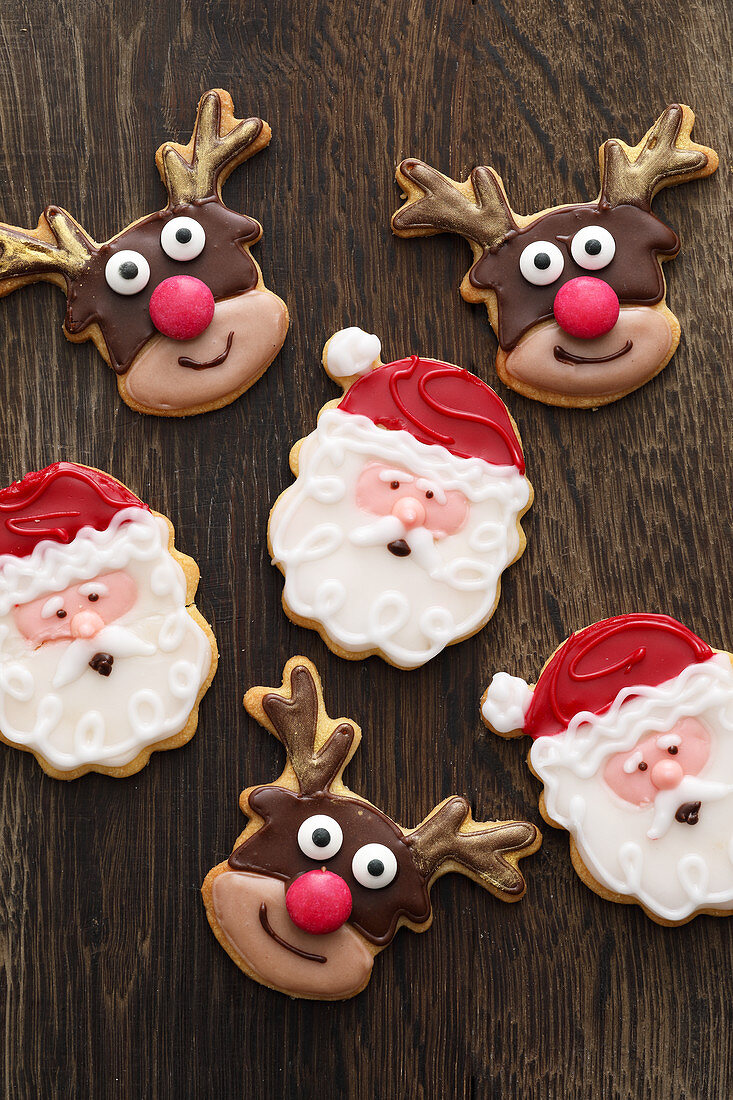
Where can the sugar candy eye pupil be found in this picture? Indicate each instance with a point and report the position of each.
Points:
(182, 239)
(127, 272)
(374, 866)
(320, 837)
(593, 248)
(541, 263)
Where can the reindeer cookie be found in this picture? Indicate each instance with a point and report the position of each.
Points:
(406, 509)
(576, 293)
(175, 303)
(632, 727)
(104, 657)
(320, 880)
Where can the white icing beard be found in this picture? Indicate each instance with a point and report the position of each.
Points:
(338, 571)
(51, 701)
(672, 868)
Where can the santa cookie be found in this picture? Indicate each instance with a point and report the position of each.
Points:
(576, 293)
(406, 509)
(320, 880)
(175, 303)
(103, 656)
(632, 727)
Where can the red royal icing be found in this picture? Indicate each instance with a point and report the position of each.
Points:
(56, 503)
(441, 404)
(594, 665)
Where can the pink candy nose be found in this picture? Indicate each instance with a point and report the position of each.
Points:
(409, 511)
(586, 307)
(318, 902)
(181, 307)
(667, 774)
(85, 624)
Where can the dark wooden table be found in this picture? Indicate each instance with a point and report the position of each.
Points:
(111, 983)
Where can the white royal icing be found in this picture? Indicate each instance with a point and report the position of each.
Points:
(506, 702)
(51, 701)
(337, 576)
(351, 353)
(672, 868)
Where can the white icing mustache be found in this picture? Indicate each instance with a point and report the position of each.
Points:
(387, 529)
(691, 789)
(116, 640)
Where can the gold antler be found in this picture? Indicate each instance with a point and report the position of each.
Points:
(57, 249)
(318, 748)
(476, 209)
(219, 143)
(487, 850)
(665, 156)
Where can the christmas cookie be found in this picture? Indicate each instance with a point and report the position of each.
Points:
(406, 509)
(320, 880)
(576, 293)
(632, 728)
(175, 303)
(103, 656)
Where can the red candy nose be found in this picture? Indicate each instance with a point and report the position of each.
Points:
(318, 902)
(586, 307)
(181, 307)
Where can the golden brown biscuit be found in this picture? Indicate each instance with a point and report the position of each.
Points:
(104, 657)
(175, 303)
(575, 293)
(632, 727)
(321, 880)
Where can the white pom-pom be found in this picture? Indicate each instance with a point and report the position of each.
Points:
(351, 353)
(506, 703)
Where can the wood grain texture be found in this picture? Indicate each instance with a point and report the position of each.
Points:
(111, 984)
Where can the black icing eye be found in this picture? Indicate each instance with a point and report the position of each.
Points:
(61, 614)
(374, 866)
(127, 272)
(643, 766)
(182, 239)
(394, 484)
(673, 750)
(541, 263)
(429, 494)
(593, 248)
(320, 837)
(93, 597)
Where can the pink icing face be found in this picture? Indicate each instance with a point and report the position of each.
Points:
(658, 762)
(418, 502)
(80, 611)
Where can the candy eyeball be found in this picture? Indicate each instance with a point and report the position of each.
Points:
(182, 239)
(127, 272)
(593, 248)
(320, 837)
(541, 263)
(374, 866)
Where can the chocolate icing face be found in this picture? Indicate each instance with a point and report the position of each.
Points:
(223, 265)
(273, 850)
(634, 273)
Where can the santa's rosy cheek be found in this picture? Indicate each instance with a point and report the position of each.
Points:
(379, 487)
(692, 742)
(629, 776)
(448, 517)
(44, 619)
(110, 595)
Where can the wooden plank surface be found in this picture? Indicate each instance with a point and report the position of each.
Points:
(111, 984)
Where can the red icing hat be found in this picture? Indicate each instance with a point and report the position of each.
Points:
(594, 665)
(56, 503)
(441, 404)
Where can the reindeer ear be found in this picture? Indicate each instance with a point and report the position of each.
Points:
(450, 840)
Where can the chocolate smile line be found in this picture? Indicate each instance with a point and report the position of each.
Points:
(568, 357)
(194, 364)
(284, 943)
